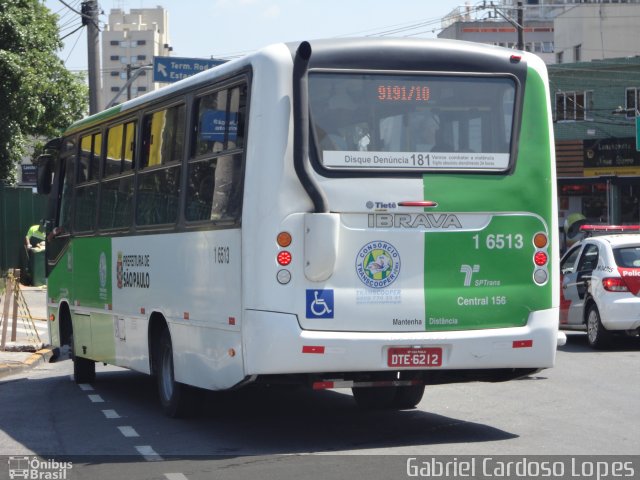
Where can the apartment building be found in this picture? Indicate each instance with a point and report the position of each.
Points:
(495, 23)
(559, 31)
(129, 42)
(595, 105)
(595, 31)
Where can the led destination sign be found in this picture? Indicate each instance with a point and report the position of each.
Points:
(403, 93)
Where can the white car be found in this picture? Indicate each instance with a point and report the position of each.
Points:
(600, 278)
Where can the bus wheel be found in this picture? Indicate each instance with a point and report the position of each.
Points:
(373, 398)
(598, 336)
(84, 370)
(177, 399)
(407, 397)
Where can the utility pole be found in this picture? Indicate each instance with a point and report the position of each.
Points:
(90, 12)
(520, 26)
(128, 81)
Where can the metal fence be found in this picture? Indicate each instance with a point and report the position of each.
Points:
(19, 209)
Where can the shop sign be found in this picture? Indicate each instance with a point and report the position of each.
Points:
(611, 156)
(29, 174)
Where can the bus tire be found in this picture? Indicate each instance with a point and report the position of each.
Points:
(374, 398)
(84, 370)
(598, 336)
(407, 397)
(177, 400)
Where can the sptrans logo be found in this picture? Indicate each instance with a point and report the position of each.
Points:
(378, 264)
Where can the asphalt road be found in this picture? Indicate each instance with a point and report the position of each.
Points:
(586, 405)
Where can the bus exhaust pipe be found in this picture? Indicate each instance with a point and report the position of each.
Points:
(301, 128)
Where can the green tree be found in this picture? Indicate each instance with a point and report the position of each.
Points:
(39, 97)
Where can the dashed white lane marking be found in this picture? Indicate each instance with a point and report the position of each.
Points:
(148, 453)
(128, 432)
(175, 476)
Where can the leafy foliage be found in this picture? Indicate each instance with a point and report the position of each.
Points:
(39, 97)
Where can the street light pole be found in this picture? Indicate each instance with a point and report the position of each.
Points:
(131, 77)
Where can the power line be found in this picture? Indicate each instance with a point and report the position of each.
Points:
(404, 28)
(377, 29)
(72, 48)
(70, 25)
(71, 33)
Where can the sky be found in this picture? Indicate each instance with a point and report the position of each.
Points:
(230, 28)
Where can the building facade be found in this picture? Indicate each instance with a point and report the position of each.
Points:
(592, 50)
(488, 24)
(129, 43)
(595, 105)
(559, 31)
(595, 31)
(538, 35)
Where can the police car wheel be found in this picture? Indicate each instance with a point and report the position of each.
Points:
(598, 336)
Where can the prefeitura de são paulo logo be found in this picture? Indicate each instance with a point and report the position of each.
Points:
(378, 264)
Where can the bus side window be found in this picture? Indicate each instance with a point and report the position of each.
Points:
(116, 197)
(66, 197)
(86, 196)
(212, 123)
(215, 189)
(214, 185)
(159, 188)
(238, 111)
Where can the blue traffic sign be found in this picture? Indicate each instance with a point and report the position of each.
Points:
(172, 69)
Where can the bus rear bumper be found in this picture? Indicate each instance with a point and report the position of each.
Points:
(275, 344)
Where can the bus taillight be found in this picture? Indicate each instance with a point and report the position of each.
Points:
(284, 258)
(284, 239)
(540, 240)
(540, 258)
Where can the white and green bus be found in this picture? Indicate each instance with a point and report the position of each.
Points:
(377, 214)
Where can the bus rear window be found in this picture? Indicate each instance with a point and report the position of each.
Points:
(412, 122)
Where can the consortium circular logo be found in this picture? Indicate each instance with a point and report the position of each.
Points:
(378, 264)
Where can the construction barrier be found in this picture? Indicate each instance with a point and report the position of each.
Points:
(13, 307)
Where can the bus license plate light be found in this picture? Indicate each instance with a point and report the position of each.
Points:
(414, 357)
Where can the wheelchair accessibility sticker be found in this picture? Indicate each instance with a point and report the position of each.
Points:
(319, 303)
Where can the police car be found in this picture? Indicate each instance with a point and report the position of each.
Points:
(600, 278)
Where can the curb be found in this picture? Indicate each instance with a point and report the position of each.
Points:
(41, 356)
